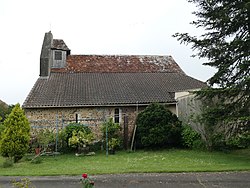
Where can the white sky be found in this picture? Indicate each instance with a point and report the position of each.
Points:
(117, 27)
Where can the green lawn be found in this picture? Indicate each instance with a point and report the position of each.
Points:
(139, 161)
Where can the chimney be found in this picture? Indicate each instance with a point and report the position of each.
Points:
(46, 55)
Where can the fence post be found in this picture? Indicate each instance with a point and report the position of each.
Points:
(107, 145)
(56, 131)
(125, 131)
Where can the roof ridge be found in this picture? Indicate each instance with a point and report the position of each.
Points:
(121, 55)
(119, 73)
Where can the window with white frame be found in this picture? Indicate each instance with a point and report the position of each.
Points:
(117, 115)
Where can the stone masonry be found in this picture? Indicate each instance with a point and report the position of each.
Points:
(93, 117)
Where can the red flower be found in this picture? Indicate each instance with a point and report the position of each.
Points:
(84, 176)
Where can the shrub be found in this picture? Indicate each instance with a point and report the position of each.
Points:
(62, 141)
(36, 160)
(67, 133)
(16, 135)
(239, 141)
(8, 163)
(113, 143)
(112, 130)
(28, 157)
(44, 138)
(218, 142)
(191, 138)
(81, 140)
(75, 127)
(157, 127)
(96, 145)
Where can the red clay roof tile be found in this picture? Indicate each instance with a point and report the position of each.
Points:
(120, 63)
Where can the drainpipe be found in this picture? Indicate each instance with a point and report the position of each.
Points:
(177, 110)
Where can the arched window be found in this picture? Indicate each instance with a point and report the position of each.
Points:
(117, 115)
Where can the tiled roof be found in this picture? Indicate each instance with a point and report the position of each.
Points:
(120, 63)
(59, 44)
(100, 89)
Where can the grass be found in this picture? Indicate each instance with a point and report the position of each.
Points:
(133, 162)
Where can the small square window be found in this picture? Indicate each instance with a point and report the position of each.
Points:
(58, 55)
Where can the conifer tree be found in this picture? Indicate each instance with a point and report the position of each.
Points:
(225, 44)
(157, 127)
(14, 142)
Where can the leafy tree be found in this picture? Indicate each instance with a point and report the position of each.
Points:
(157, 127)
(4, 110)
(14, 142)
(1, 127)
(225, 43)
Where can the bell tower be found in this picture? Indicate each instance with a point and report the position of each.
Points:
(46, 55)
(53, 54)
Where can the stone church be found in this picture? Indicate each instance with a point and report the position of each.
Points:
(93, 88)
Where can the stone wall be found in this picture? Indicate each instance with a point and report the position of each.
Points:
(91, 116)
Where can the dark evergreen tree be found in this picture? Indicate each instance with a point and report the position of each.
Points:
(226, 45)
(157, 127)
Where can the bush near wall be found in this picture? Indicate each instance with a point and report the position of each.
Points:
(191, 139)
(157, 127)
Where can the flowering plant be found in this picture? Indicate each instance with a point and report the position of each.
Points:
(87, 182)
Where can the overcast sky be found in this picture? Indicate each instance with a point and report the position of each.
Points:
(117, 27)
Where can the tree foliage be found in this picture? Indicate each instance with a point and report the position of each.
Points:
(4, 110)
(157, 127)
(81, 139)
(191, 138)
(75, 127)
(226, 45)
(111, 131)
(68, 132)
(15, 139)
(111, 128)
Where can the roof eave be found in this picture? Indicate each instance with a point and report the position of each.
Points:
(101, 105)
